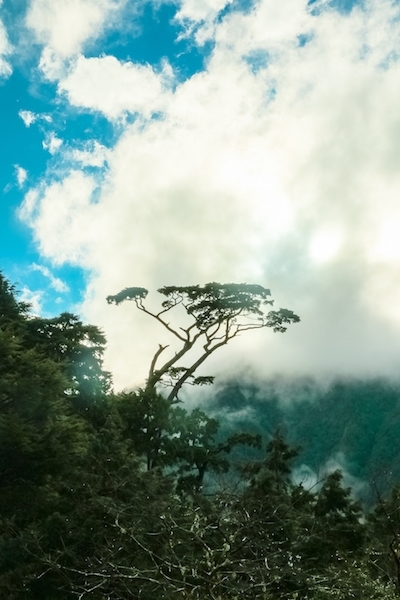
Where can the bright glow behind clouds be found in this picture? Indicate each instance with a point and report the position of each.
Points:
(277, 164)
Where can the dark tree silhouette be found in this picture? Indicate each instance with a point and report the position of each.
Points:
(218, 312)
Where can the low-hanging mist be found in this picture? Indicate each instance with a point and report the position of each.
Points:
(350, 424)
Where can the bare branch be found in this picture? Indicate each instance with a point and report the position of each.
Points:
(155, 358)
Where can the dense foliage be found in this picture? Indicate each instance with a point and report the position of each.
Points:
(117, 496)
(352, 423)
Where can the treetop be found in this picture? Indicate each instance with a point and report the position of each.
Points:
(214, 302)
(131, 293)
(220, 311)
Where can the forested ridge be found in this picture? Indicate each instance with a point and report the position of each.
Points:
(108, 495)
(352, 422)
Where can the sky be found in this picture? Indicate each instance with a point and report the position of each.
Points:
(154, 143)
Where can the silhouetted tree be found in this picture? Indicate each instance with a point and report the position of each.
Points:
(218, 313)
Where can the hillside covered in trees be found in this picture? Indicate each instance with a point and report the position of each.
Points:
(130, 495)
(351, 422)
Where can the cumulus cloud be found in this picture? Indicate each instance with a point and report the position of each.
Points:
(198, 11)
(59, 208)
(278, 164)
(106, 85)
(65, 25)
(52, 65)
(52, 143)
(94, 154)
(198, 18)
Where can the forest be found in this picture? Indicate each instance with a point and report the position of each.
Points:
(107, 495)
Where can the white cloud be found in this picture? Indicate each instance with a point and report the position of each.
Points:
(28, 117)
(35, 299)
(52, 143)
(52, 65)
(106, 85)
(59, 208)
(27, 209)
(55, 282)
(65, 25)
(268, 26)
(95, 155)
(5, 50)
(198, 18)
(21, 175)
(275, 149)
(200, 10)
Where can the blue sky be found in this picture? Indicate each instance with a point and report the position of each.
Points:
(150, 39)
(180, 142)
